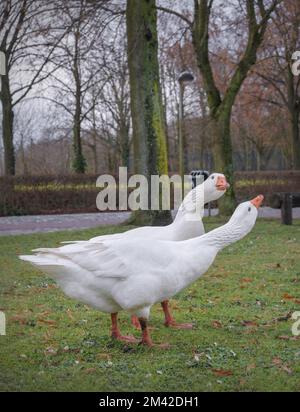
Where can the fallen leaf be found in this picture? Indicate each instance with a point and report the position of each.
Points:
(246, 280)
(249, 323)
(286, 296)
(277, 361)
(47, 321)
(19, 319)
(222, 372)
(286, 337)
(90, 370)
(103, 356)
(217, 324)
(279, 364)
(286, 369)
(283, 337)
(45, 313)
(250, 367)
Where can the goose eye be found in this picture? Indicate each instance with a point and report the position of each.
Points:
(213, 177)
(249, 209)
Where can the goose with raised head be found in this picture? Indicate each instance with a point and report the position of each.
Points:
(186, 225)
(130, 275)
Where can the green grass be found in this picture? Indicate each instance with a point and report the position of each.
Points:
(239, 342)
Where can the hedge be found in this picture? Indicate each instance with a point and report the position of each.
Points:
(28, 195)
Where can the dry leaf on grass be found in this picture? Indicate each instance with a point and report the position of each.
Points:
(284, 337)
(250, 367)
(90, 370)
(286, 296)
(222, 372)
(18, 319)
(103, 356)
(45, 313)
(249, 323)
(286, 369)
(277, 361)
(217, 324)
(47, 321)
(247, 280)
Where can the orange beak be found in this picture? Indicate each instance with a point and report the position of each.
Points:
(221, 183)
(257, 201)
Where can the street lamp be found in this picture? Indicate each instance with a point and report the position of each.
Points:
(2, 67)
(184, 78)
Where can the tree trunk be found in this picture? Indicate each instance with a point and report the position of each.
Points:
(220, 107)
(95, 156)
(258, 160)
(79, 163)
(149, 139)
(296, 138)
(7, 127)
(125, 145)
(294, 109)
(23, 156)
(223, 159)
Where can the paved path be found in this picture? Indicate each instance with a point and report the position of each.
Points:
(15, 225)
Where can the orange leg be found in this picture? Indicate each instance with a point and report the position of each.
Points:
(115, 331)
(170, 321)
(135, 322)
(146, 338)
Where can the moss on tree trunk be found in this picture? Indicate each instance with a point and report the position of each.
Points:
(149, 138)
(223, 159)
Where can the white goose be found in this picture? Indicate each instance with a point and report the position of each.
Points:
(186, 225)
(130, 275)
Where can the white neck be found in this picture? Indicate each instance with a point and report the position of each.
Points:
(195, 197)
(225, 235)
(187, 227)
(203, 250)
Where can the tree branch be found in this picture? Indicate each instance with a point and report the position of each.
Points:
(175, 13)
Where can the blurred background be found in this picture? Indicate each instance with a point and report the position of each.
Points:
(71, 110)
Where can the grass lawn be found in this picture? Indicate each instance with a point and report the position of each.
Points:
(242, 339)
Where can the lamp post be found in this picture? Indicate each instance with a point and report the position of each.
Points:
(184, 78)
(2, 67)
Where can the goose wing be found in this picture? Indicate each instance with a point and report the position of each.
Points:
(97, 259)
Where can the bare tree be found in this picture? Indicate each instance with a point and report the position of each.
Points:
(79, 67)
(258, 14)
(110, 120)
(275, 71)
(24, 26)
